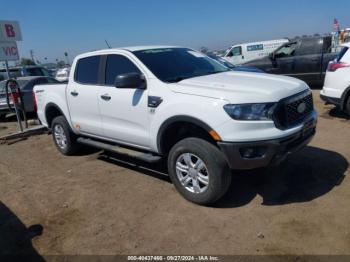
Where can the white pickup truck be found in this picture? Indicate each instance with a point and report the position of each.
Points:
(176, 103)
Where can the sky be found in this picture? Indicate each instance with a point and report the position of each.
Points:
(50, 28)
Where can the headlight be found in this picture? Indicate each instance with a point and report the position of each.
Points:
(250, 111)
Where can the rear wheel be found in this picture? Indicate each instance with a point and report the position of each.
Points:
(65, 140)
(199, 171)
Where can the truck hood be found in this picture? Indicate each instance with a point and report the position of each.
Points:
(241, 87)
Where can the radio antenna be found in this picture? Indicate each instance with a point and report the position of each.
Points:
(108, 44)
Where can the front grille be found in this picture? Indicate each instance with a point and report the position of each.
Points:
(293, 110)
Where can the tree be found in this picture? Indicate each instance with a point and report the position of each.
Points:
(26, 62)
(204, 50)
(61, 64)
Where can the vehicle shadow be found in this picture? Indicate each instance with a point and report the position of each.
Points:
(336, 112)
(15, 237)
(305, 176)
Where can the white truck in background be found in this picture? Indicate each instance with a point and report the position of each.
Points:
(243, 53)
(198, 114)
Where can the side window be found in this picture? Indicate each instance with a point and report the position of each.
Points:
(236, 51)
(255, 47)
(310, 47)
(87, 69)
(286, 50)
(117, 65)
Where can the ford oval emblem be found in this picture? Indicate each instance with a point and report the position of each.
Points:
(301, 108)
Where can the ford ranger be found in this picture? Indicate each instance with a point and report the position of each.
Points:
(176, 103)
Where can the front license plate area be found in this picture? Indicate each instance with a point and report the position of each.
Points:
(308, 127)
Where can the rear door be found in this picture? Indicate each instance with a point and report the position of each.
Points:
(82, 96)
(124, 112)
(308, 60)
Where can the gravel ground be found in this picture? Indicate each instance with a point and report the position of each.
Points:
(98, 204)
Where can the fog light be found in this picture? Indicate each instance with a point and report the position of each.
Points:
(253, 152)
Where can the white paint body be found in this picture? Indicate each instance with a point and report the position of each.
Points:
(337, 82)
(126, 119)
(243, 53)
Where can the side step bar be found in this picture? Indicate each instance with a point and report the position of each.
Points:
(147, 157)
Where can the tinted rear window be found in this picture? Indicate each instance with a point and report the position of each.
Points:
(310, 47)
(342, 53)
(87, 70)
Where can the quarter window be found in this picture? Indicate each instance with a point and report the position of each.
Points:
(117, 65)
(87, 70)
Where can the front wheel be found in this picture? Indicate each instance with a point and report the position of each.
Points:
(65, 140)
(199, 171)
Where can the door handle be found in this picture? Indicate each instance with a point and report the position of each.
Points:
(106, 97)
(74, 93)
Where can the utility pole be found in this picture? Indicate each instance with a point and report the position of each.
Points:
(67, 59)
(32, 55)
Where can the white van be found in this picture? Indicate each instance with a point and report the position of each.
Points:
(243, 53)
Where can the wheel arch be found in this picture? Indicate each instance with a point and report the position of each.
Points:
(344, 98)
(51, 111)
(185, 120)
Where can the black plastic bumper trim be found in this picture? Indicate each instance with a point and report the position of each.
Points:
(276, 150)
(331, 100)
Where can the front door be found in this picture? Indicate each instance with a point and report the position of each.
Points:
(235, 55)
(124, 112)
(283, 60)
(82, 96)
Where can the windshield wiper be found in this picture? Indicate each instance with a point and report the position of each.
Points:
(215, 72)
(177, 79)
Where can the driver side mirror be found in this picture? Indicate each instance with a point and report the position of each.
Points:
(130, 80)
(229, 54)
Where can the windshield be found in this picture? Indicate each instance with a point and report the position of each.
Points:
(176, 64)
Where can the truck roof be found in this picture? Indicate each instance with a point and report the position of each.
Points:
(129, 48)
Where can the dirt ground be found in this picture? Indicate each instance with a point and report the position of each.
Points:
(95, 204)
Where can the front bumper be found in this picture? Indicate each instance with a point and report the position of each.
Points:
(268, 152)
(331, 100)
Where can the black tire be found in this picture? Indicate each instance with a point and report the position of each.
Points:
(71, 145)
(347, 105)
(2, 117)
(218, 170)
